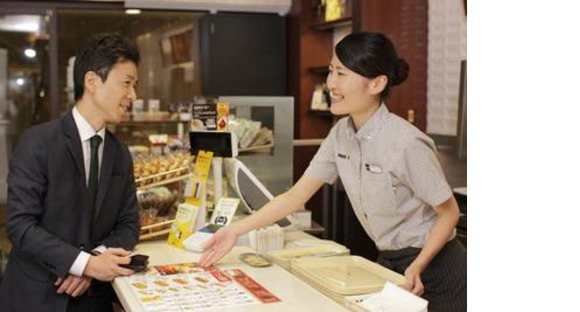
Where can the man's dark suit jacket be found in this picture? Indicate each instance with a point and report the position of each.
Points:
(47, 213)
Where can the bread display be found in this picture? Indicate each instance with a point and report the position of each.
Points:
(151, 169)
(159, 198)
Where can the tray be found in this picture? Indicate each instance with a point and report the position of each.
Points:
(346, 275)
(285, 257)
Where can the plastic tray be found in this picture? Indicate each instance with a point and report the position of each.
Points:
(284, 257)
(346, 275)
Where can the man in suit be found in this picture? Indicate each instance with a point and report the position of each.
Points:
(72, 214)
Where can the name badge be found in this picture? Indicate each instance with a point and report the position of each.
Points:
(374, 168)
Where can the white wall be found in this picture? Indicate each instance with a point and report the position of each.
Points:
(446, 48)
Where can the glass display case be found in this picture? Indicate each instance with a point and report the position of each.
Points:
(272, 165)
(267, 152)
(271, 162)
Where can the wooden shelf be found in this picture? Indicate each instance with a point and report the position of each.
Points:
(156, 230)
(162, 182)
(141, 122)
(341, 22)
(154, 234)
(267, 147)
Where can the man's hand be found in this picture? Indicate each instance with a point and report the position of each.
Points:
(72, 285)
(105, 267)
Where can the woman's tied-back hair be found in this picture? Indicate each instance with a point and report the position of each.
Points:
(99, 53)
(371, 55)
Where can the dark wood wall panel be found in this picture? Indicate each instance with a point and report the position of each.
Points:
(405, 22)
(307, 49)
(315, 51)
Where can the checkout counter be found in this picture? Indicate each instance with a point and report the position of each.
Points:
(158, 289)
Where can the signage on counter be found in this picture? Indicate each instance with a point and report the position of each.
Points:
(192, 212)
(211, 116)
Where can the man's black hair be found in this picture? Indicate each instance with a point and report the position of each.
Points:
(99, 53)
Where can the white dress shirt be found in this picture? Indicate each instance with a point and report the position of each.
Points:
(86, 132)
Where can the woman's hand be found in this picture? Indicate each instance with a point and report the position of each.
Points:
(218, 246)
(414, 283)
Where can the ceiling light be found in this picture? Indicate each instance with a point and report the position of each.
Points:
(20, 81)
(133, 11)
(20, 23)
(30, 53)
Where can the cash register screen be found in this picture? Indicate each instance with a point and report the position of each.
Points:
(252, 192)
(217, 142)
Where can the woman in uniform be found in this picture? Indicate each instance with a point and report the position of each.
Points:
(391, 175)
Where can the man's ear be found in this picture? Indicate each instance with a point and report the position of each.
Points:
(91, 80)
(378, 84)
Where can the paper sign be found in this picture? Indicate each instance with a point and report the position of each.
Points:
(224, 211)
(194, 206)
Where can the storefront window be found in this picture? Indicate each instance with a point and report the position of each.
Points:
(23, 74)
(166, 41)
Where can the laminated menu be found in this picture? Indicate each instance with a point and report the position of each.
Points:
(189, 287)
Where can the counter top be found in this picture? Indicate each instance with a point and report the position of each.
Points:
(295, 294)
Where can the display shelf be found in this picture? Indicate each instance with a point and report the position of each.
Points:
(155, 230)
(329, 25)
(164, 181)
(256, 148)
(149, 121)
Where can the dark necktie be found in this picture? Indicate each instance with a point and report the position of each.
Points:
(93, 179)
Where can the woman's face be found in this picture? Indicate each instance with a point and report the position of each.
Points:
(350, 92)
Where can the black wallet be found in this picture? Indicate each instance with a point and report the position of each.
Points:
(138, 263)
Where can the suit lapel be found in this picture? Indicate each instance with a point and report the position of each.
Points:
(109, 156)
(73, 143)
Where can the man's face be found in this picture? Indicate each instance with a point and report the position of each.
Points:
(114, 96)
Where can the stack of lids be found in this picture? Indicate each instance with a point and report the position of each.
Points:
(306, 249)
(338, 277)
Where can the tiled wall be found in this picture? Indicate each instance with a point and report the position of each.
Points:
(447, 46)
